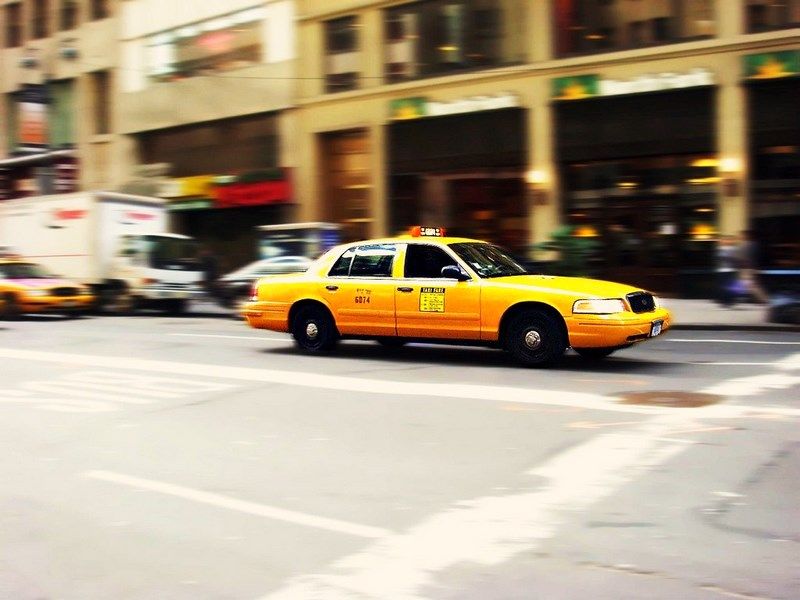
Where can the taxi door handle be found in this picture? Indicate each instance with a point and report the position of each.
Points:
(405, 289)
(331, 288)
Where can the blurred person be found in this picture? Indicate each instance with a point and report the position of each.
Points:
(748, 267)
(729, 283)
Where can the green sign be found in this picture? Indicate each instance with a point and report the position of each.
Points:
(408, 108)
(575, 87)
(772, 65)
(190, 205)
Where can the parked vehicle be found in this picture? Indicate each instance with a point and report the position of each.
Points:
(232, 289)
(117, 244)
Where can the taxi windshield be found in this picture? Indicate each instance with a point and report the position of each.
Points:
(488, 260)
(23, 271)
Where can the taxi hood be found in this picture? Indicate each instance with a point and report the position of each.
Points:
(567, 286)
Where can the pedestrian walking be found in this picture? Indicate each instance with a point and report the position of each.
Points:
(748, 270)
(730, 288)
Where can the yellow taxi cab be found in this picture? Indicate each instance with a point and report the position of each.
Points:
(429, 287)
(26, 287)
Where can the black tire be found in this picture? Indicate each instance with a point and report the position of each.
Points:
(176, 307)
(11, 309)
(314, 330)
(594, 353)
(534, 339)
(391, 342)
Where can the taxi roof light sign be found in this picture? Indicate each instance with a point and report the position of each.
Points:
(420, 231)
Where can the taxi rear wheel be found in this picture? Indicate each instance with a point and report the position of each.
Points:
(534, 339)
(314, 329)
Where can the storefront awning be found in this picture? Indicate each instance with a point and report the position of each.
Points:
(35, 159)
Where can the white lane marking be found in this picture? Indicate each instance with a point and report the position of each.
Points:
(220, 501)
(341, 382)
(720, 341)
(491, 529)
(749, 386)
(731, 364)
(501, 394)
(235, 337)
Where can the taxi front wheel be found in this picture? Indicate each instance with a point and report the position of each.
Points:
(534, 339)
(314, 330)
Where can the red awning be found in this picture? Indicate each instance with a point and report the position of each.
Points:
(253, 194)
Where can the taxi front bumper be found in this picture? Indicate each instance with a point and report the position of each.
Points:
(622, 329)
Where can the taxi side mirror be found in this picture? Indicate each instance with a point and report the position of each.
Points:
(454, 272)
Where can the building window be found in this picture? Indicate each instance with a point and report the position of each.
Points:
(589, 26)
(68, 17)
(101, 95)
(765, 15)
(434, 37)
(13, 18)
(62, 112)
(341, 54)
(229, 42)
(99, 9)
(39, 17)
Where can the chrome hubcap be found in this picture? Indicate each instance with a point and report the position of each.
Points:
(533, 340)
(312, 331)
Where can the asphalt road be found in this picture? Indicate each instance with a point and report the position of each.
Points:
(193, 458)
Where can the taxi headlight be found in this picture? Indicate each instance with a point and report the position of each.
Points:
(604, 306)
(36, 293)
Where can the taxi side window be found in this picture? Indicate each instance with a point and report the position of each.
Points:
(426, 261)
(341, 268)
(374, 260)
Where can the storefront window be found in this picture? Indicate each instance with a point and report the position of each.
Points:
(221, 44)
(341, 54)
(654, 218)
(589, 26)
(13, 28)
(346, 176)
(765, 15)
(434, 37)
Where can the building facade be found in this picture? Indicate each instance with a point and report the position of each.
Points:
(58, 62)
(648, 126)
(206, 90)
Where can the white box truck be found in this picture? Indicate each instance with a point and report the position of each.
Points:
(118, 244)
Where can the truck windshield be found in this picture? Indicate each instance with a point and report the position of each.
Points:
(488, 260)
(173, 253)
(23, 271)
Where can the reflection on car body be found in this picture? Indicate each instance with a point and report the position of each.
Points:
(455, 290)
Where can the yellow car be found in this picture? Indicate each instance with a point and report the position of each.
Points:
(456, 290)
(26, 287)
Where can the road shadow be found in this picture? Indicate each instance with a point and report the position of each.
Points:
(472, 356)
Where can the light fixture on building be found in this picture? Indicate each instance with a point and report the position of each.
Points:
(730, 169)
(536, 180)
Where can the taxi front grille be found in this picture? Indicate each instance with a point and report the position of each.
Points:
(641, 302)
(63, 292)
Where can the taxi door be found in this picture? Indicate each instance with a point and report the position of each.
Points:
(361, 291)
(431, 306)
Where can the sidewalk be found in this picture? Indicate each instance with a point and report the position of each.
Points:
(706, 314)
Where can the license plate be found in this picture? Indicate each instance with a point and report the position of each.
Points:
(655, 328)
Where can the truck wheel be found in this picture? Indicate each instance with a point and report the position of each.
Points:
(534, 339)
(10, 308)
(314, 330)
(119, 302)
(176, 307)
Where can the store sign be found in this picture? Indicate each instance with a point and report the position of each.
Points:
(772, 65)
(190, 205)
(253, 194)
(186, 187)
(414, 108)
(588, 86)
